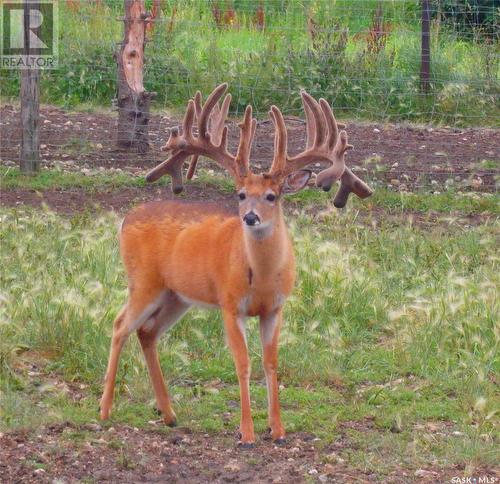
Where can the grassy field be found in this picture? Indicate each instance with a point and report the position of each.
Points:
(390, 323)
(330, 55)
(454, 202)
(389, 353)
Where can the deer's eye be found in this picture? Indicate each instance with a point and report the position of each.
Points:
(242, 196)
(271, 197)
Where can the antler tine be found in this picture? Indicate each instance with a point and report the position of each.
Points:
(321, 135)
(194, 158)
(247, 133)
(349, 182)
(211, 101)
(278, 166)
(192, 167)
(319, 132)
(217, 120)
(187, 125)
(211, 119)
(310, 125)
(197, 104)
(337, 142)
(322, 140)
(333, 130)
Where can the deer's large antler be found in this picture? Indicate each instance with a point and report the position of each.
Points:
(211, 140)
(216, 123)
(324, 144)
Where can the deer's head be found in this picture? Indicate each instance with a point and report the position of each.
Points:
(260, 194)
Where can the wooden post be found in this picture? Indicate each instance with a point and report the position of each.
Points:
(425, 72)
(30, 108)
(133, 101)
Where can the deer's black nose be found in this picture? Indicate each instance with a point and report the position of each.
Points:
(251, 218)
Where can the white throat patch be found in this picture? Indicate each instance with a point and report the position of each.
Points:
(260, 231)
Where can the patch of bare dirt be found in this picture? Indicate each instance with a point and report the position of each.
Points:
(403, 156)
(67, 453)
(75, 200)
(125, 454)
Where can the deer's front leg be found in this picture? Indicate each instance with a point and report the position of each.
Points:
(269, 335)
(236, 338)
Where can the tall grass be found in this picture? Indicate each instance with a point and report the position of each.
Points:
(369, 306)
(189, 52)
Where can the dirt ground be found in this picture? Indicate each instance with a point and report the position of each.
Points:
(126, 454)
(403, 156)
(91, 452)
(73, 201)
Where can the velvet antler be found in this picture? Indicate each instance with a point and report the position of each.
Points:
(211, 140)
(324, 143)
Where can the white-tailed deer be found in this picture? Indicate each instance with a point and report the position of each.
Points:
(182, 254)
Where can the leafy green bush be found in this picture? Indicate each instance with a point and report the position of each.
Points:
(471, 17)
(330, 57)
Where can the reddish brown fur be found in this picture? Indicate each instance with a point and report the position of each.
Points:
(178, 254)
(198, 252)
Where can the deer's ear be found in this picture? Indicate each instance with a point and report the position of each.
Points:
(296, 181)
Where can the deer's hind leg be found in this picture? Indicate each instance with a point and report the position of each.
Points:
(169, 313)
(117, 342)
(139, 308)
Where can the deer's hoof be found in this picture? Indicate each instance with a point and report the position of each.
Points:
(280, 442)
(246, 445)
(171, 422)
(103, 415)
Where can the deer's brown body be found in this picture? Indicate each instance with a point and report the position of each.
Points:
(181, 254)
(203, 255)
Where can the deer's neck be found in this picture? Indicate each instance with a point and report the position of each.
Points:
(268, 255)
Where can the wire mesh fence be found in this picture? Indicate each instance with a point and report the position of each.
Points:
(363, 56)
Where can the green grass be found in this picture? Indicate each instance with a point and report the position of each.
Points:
(12, 178)
(273, 65)
(391, 201)
(445, 202)
(396, 324)
(47, 179)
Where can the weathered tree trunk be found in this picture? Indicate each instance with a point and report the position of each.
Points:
(30, 108)
(425, 72)
(133, 101)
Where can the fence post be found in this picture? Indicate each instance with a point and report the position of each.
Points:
(133, 101)
(29, 161)
(425, 72)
